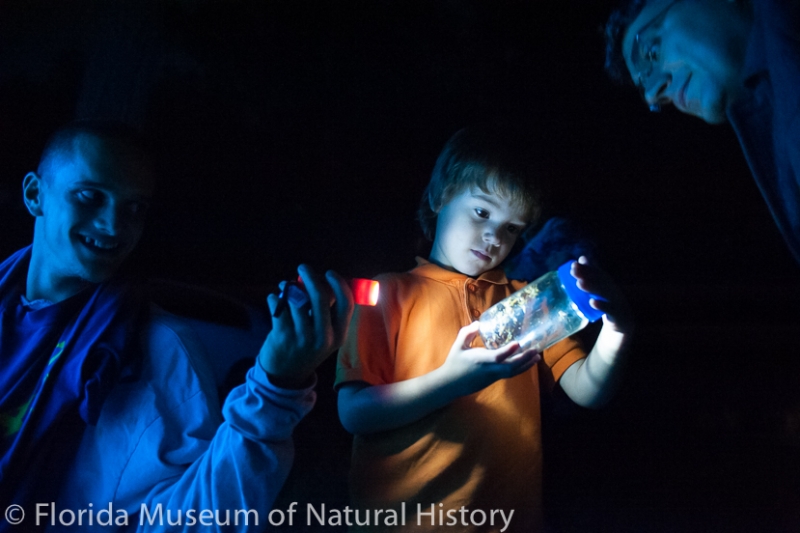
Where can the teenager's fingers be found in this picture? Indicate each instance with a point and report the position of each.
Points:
(282, 322)
(272, 302)
(343, 308)
(320, 301)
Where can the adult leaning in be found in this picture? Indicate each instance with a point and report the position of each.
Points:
(723, 61)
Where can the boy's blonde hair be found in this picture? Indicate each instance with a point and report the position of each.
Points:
(479, 159)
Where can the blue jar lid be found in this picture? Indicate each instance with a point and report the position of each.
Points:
(578, 295)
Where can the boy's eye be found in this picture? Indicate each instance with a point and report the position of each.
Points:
(513, 230)
(483, 213)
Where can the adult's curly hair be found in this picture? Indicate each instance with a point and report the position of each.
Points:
(618, 22)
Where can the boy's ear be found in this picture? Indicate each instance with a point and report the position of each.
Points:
(32, 193)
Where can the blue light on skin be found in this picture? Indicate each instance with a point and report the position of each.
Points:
(365, 292)
(699, 46)
(475, 231)
(90, 208)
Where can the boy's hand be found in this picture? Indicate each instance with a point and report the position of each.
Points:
(473, 369)
(594, 280)
(302, 338)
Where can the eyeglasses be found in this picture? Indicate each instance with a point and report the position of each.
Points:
(645, 54)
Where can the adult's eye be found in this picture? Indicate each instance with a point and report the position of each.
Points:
(651, 52)
(483, 213)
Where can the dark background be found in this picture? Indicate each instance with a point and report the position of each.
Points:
(305, 131)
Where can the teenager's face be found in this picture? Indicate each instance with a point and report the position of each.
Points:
(475, 231)
(688, 53)
(92, 210)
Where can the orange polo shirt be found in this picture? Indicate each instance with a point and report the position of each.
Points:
(483, 451)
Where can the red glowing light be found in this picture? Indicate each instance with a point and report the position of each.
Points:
(365, 291)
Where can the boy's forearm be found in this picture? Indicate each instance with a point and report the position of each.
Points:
(383, 407)
(591, 382)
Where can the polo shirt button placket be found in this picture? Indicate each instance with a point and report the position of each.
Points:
(472, 288)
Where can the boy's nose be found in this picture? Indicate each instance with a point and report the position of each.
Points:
(490, 237)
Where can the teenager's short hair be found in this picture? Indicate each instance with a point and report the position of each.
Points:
(477, 158)
(66, 141)
(617, 23)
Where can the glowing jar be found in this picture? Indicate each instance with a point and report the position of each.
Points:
(540, 314)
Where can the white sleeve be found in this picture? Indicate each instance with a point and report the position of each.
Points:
(161, 456)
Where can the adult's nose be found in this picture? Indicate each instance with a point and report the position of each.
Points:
(656, 90)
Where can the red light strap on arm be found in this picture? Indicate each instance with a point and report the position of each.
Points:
(365, 291)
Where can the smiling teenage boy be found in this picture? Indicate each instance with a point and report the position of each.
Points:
(447, 432)
(65, 335)
(106, 402)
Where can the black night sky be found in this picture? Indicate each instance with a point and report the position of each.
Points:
(304, 131)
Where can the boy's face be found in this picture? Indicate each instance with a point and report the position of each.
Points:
(475, 231)
(92, 209)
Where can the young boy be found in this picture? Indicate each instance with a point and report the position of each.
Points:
(447, 433)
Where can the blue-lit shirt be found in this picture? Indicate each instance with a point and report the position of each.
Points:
(161, 440)
(767, 118)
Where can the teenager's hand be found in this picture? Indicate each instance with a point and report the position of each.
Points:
(473, 369)
(302, 338)
(592, 279)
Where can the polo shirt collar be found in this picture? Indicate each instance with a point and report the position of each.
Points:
(429, 270)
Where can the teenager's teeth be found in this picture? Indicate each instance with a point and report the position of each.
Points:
(97, 244)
